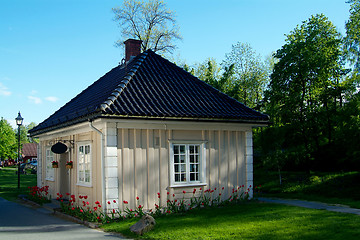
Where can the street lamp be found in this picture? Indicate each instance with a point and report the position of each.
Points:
(19, 122)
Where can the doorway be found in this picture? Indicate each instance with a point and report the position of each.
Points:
(64, 174)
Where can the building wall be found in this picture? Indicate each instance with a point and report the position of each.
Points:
(136, 158)
(143, 160)
(60, 174)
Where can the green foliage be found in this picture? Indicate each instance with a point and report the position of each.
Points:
(211, 73)
(149, 21)
(27, 128)
(250, 77)
(249, 221)
(306, 94)
(8, 142)
(352, 39)
(335, 188)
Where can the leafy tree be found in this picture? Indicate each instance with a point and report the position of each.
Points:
(352, 39)
(8, 143)
(28, 138)
(211, 73)
(250, 74)
(305, 88)
(24, 135)
(149, 21)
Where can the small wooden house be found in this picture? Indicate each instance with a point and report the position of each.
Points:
(147, 127)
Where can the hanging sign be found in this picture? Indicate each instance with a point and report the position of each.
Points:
(59, 148)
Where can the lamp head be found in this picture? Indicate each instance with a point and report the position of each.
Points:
(19, 120)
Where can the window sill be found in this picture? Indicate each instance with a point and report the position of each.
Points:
(83, 185)
(188, 185)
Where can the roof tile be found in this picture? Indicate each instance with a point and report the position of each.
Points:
(150, 86)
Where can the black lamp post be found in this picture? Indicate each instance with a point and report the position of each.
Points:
(19, 122)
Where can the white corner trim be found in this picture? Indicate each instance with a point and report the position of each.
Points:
(249, 162)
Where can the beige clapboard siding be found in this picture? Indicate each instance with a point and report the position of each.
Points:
(143, 160)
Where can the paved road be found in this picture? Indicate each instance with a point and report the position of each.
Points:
(24, 223)
(313, 205)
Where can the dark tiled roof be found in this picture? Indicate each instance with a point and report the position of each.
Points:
(150, 86)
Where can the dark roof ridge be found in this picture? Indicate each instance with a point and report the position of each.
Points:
(118, 90)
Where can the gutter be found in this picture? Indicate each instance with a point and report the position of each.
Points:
(103, 192)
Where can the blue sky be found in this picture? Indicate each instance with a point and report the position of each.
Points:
(50, 50)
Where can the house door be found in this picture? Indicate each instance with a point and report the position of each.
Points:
(64, 174)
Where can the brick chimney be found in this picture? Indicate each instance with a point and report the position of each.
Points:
(132, 48)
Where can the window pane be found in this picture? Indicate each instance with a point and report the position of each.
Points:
(182, 158)
(183, 177)
(192, 148)
(192, 176)
(87, 149)
(186, 161)
(81, 176)
(176, 149)
(197, 149)
(87, 176)
(84, 164)
(81, 159)
(191, 158)
(182, 149)
(183, 168)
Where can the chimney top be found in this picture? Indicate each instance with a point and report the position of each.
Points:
(132, 48)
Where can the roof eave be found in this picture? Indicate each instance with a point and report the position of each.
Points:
(81, 119)
(255, 122)
(196, 119)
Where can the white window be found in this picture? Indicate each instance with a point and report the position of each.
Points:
(49, 170)
(187, 163)
(84, 164)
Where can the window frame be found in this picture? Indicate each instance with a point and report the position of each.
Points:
(49, 170)
(79, 167)
(202, 163)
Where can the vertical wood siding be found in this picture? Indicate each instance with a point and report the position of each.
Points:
(143, 156)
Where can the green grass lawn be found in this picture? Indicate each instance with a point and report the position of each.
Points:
(9, 183)
(249, 221)
(333, 188)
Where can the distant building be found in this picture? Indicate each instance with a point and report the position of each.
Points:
(29, 152)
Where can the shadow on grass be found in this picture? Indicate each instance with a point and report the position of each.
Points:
(9, 183)
(250, 221)
(335, 188)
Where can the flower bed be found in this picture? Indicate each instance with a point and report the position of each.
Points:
(39, 195)
(81, 208)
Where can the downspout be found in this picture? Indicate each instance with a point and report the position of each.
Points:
(103, 192)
